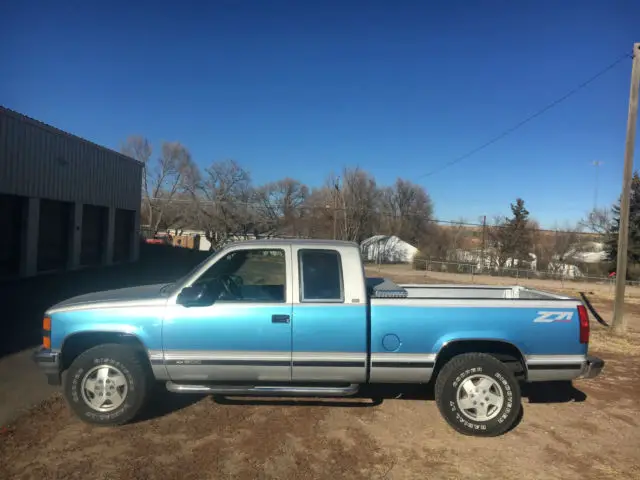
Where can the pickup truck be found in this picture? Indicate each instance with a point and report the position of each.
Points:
(300, 318)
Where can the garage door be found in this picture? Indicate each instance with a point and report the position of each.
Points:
(93, 234)
(123, 235)
(53, 235)
(11, 207)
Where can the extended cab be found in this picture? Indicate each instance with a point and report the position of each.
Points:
(299, 317)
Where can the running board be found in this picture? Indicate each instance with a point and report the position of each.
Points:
(291, 391)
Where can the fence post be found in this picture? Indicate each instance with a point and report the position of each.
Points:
(472, 274)
(610, 280)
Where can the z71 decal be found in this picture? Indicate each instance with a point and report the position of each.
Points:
(551, 317)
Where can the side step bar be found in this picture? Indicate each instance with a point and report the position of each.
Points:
(310, 391)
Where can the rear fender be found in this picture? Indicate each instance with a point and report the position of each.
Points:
(504, 350)
(479, 335)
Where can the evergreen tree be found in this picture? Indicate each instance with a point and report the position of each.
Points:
(519, 224)
(513, 237)
(611, 242)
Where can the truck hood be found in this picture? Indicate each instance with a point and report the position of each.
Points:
(142, 295)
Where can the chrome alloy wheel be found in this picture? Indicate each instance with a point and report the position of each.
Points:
(480, 398)
(104, 388)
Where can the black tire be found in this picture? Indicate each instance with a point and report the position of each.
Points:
(120, 359)
(478, 365)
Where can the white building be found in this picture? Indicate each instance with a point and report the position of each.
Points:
(590, 252)
(387, 249)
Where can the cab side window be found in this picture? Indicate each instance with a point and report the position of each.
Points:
(320, 276)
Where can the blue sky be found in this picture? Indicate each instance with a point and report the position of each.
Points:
(300, 88)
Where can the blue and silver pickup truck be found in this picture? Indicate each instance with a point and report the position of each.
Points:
(300, 318)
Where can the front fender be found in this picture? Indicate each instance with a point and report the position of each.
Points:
(144, 323)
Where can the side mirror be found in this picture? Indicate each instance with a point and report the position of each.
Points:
(193, 296)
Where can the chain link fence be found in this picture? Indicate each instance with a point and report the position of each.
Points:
(473, 270)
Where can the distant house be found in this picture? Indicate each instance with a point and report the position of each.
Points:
(589, 252)
(387, 249)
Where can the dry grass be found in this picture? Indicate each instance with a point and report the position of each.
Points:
(395, 438)
(604, 342)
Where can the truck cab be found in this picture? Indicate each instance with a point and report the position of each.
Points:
(232, 317)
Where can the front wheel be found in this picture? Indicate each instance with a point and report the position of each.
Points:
(478, 395)
(107, 385)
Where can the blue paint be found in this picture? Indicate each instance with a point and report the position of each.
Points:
(322, 328)
(335, 328)
(227, 326)
(427, 329)
(143, 322)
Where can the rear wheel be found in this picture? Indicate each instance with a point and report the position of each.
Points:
(107, 385)
(478, 395)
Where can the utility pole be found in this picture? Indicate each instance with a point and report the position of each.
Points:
(335, 208)
(619, 323)
(484, 240)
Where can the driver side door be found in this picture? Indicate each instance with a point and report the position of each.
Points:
(243, 333)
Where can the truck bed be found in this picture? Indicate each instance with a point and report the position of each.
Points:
(385, 288)
(413, 322)
(477, 291)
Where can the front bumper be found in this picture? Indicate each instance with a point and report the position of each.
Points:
(49, 363)
(592, 367)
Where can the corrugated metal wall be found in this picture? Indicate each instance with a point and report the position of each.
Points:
(37, 160)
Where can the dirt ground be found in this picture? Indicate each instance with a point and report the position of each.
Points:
(588, 430)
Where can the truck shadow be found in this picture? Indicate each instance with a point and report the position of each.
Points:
(552, 392)
(164, 403)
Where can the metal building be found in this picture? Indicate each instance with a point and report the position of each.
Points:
(65, 202)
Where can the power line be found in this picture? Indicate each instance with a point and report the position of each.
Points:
(520, 124)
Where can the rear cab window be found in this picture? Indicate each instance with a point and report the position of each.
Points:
(321, 278)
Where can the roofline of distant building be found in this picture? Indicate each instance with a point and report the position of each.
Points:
(57, 131)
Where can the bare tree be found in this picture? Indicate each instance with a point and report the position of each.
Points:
(460, 237)
(345, 207)
(408, 210)
(181, 214)
(164, 179)
(555, 248)
(169, 178)
(598, 221)
(280, 204)
(436, 245)
(318, 213)
(226, 204)
(139, 148)
(358, 199)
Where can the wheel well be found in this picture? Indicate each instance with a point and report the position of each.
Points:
(506, 352)
(77, 343)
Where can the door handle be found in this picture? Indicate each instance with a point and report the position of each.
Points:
(280, 319)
